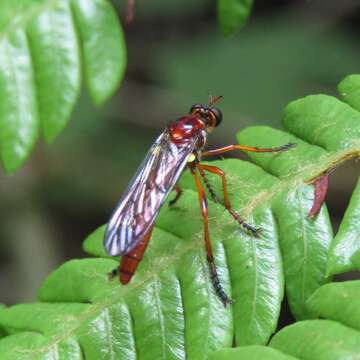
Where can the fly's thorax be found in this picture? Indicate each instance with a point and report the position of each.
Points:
(186, 129)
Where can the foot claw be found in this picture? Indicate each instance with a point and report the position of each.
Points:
(287, 147)
(228, 301)
(257, 231)
(252, 229)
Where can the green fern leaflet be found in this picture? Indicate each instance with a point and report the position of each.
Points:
(170, 311)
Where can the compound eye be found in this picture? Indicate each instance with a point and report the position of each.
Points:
(196, 107)
(218, 115)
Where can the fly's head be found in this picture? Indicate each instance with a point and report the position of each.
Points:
(211, 116)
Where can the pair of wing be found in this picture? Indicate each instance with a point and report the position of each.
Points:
(136, 211)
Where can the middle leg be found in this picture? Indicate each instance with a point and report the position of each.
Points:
(213, 272)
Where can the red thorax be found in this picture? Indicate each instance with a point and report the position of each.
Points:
(185, 129)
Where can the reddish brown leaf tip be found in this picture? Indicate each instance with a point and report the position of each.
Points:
(130, 11)
(321, 188)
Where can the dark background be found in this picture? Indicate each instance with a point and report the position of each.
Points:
(176, 56)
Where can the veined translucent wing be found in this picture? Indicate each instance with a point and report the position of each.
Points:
(136, 211)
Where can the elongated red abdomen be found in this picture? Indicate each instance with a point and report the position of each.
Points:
(130, 261)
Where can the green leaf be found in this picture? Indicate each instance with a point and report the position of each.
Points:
(304, 242)
(337, 301)
(91, 244)
(315, 117)
(170, 310)
(19, 121)
(346, 244)
(19, 346)
(349, 90)
(254, 262)
(103, 47)
(55, 54)
(41, 43)
(325, 339)
(318, 339)
(232, 14)
(254, 352)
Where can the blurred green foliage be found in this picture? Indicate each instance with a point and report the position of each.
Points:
(232, 14)
(44, 47)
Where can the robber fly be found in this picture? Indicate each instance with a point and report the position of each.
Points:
(180, 146)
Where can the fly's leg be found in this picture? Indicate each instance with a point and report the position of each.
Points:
(236, 216)
(179, 192)
(208, 185)
(114, 273)
(213, 272)
(225, 149)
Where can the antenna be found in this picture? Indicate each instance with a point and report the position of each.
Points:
(213, 100)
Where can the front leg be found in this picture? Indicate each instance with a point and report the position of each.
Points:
(204, 211)
(228, 148)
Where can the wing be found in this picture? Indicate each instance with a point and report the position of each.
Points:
(137, 209)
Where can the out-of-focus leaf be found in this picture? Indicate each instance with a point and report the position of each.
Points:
(55, 54)
(244, 78)
(337, 338)
(349, 90)
(232, 14)
(337, 301)
(253, 352)
(19, 120)
(346, 243)
(318, 339)
(103, 46)
(40, 70)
